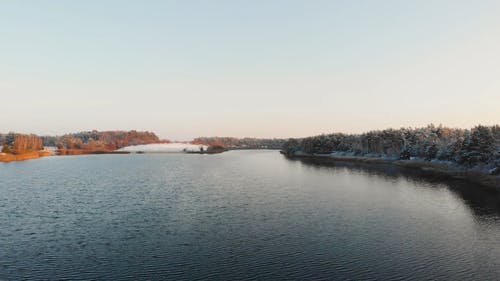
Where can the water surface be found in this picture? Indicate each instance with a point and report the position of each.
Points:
(248, 215)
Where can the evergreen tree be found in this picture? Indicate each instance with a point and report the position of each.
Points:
(478, 147)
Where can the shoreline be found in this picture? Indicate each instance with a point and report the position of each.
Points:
(425, 167)
(69, 152)
(7, 157)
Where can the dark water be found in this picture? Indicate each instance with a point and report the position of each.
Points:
(250, 215)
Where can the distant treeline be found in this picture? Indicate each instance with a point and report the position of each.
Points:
(91, 140)
(478, 147)
(19, 143)
(96, 140)
(243, 143)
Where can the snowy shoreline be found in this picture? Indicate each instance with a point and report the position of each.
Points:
(163, 148)
(427, 167)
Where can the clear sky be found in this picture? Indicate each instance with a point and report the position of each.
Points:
(247, 68)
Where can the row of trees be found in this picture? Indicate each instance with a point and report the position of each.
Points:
(90, 140)
(479, 146)
(19, 143)
(96, 140)
(243, 143)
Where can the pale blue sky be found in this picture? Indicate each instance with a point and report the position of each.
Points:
(247, 68)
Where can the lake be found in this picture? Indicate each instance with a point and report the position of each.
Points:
(240, 215)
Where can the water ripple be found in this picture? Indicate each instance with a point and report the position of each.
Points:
(242, 215)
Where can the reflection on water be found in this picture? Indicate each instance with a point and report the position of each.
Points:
(483, 201)
(240, 215)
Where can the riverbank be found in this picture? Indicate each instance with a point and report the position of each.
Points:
(425, 167)
(7, 157)
(67, 152)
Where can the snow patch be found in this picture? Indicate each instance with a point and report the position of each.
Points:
(163, 147)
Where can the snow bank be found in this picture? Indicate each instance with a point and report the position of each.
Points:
(163, 147)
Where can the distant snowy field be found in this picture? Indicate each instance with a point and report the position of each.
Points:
(163, 147)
